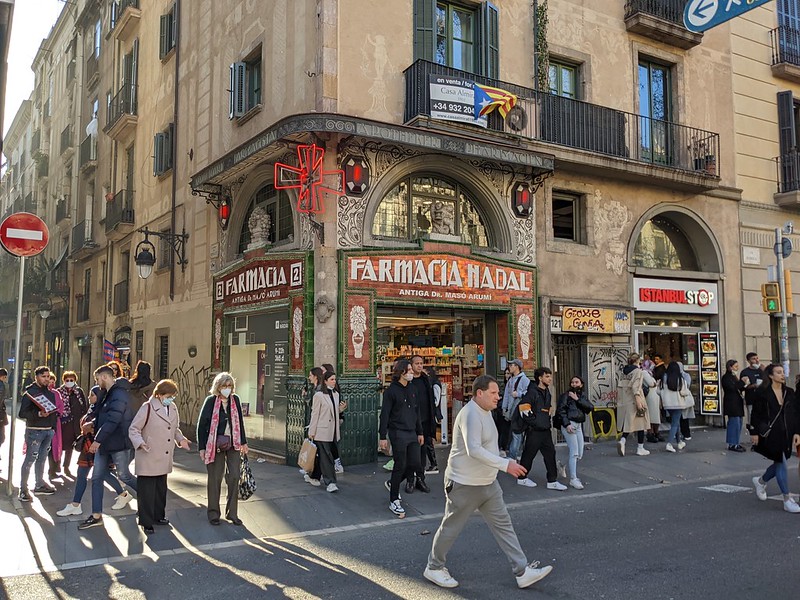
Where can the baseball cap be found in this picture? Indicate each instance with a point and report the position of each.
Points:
(517, 362)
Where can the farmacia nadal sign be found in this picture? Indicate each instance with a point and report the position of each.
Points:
(259, 281)
(440, 277)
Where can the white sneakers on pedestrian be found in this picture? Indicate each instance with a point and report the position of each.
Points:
(308, 479)
(532, 574)
(761, 488)
(332, 487)
(670, 448)
(791, 506)
(642, 451)
(556, 485)
(337, 466)
(70, 510)
(122, 500)
(576, 483)
(397, 508)
(681, 445)
(440, 577)
(526, 482)
(621, 446)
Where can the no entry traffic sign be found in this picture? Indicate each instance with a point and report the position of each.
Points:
(24, 234)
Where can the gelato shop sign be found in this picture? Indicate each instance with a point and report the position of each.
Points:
(440, 277)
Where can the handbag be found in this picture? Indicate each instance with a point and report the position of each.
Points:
(77, 445)
(223, 442)
(247, 483)
(308, 456)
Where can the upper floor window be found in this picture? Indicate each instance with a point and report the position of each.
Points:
(457, 35)
(98, 34)
(281, 219)
(655, 108)
(663, 245)
(423, 205)
(563, 79)
(568, 216)
(168, 34)
(245, 90)
(789, 14)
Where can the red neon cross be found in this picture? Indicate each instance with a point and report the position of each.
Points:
(309, 179)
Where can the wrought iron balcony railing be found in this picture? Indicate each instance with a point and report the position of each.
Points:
(121, 297)
(88, 150)
(124, 103)
(82, 235)
(66, 139)
(62, 210)
(82, 309)
(785, 45)
(580, 125)
(788, 172)
(120, 210)
(668, 10)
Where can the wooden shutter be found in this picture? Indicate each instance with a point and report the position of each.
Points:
(490, 41)
(787, 136)
(164, 33)
(237, 90)
(169, 142)
(158, 154)
(425, 29)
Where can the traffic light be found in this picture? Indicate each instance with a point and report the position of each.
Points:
(787, 284)
(770, 297)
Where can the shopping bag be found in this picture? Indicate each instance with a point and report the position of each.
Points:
(247, 483)
(307, 456)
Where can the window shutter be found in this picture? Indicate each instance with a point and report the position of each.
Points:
(158, 154)
(173, 34)
(236, 104)
(425, 29)
(164, 36)
(169, 141)
(788, 140)
(490, 41)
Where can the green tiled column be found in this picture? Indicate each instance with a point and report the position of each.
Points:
(359, 442)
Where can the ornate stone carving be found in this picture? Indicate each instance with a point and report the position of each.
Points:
(350, 222)
(525, 231)
(524, 331)
(306, 231)
(610, 220)
(442, 221)
(358, 327)
(259, 224)
(323, 308)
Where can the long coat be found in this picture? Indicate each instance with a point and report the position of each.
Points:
(630, 388)
(161, 433)
(324, 425)
(732, 401)
(767, 411)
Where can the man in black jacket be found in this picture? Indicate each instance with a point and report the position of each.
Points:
(400, 420)
(112, 418)
(751, 377)
(428, 414)
(40, 426)
(3, 410)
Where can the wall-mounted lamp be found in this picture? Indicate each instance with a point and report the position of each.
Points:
(45, 308)
(218, 197)
(145, 257)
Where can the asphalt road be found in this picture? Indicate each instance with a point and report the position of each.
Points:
(647, 542)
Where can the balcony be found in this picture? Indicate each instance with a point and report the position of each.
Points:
(36, 141)
(786, 53)
(67, 150)
(42, 166)
(82, 309)
(120, 298)
(29, 204)
(88, 154)
(82, 240)
(600, 138)
(92, 71)
(62, 209)
(660, 20)
(119, 214)
(122, 118)
(788, 179)
(69, 79)
(125, 17)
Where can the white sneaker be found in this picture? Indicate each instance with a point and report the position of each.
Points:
(562, 470)
(556, 485)
(337, 466)
(70, 510)
(670, 448)
(332, 487)
(791, 506)
(532, 574)
(576, 483)
(432, 471)
(302, 471)
(642, 451)
(122, 500)
(440, 577)
(314, 482)
(761, 489)
(397, 508)
(681, 445)
(621, 446)
(526, 482)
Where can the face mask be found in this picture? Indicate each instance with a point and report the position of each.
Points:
(70, 384)
(167, 401)
(225, 392)
(576, 388)
(409, 376)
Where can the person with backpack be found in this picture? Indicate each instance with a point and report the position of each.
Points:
(515, 389)
(571, 411)
(154, 433)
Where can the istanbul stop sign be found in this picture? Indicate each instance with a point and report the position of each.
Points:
(24, 234)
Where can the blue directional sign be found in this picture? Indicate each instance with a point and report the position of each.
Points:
(702, 15)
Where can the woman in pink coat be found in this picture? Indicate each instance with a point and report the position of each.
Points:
(154, 432)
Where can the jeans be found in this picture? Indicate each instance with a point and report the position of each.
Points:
(38, 442)
(80, 483)
(674, 425)
(575, 445)
(778, 471)
(734, 431)
(515, 447)
(121, 459)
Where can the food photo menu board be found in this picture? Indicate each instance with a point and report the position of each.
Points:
(710, 397)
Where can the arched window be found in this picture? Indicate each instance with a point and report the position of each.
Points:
(421, 205)
(279, 208)
(663, 245)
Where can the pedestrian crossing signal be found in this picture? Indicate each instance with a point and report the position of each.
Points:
(770, 297)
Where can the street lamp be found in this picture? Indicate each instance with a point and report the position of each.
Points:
(145, 257)
(45, 308)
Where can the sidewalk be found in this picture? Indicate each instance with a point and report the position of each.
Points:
(284, 504)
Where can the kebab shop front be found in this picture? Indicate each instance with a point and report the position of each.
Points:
(464, 314)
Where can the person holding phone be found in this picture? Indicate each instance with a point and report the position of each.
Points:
(38, 409)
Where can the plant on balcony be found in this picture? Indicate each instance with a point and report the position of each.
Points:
(541, 52)
(702, 156)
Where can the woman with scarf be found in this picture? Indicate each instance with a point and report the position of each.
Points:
(54, 458)
(324, 428)
(222, 441)
(154, 432)
(75, 406)
(141, 385)
(571, 411)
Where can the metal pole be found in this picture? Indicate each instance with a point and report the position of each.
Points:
(784, 322)
(16, 383)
